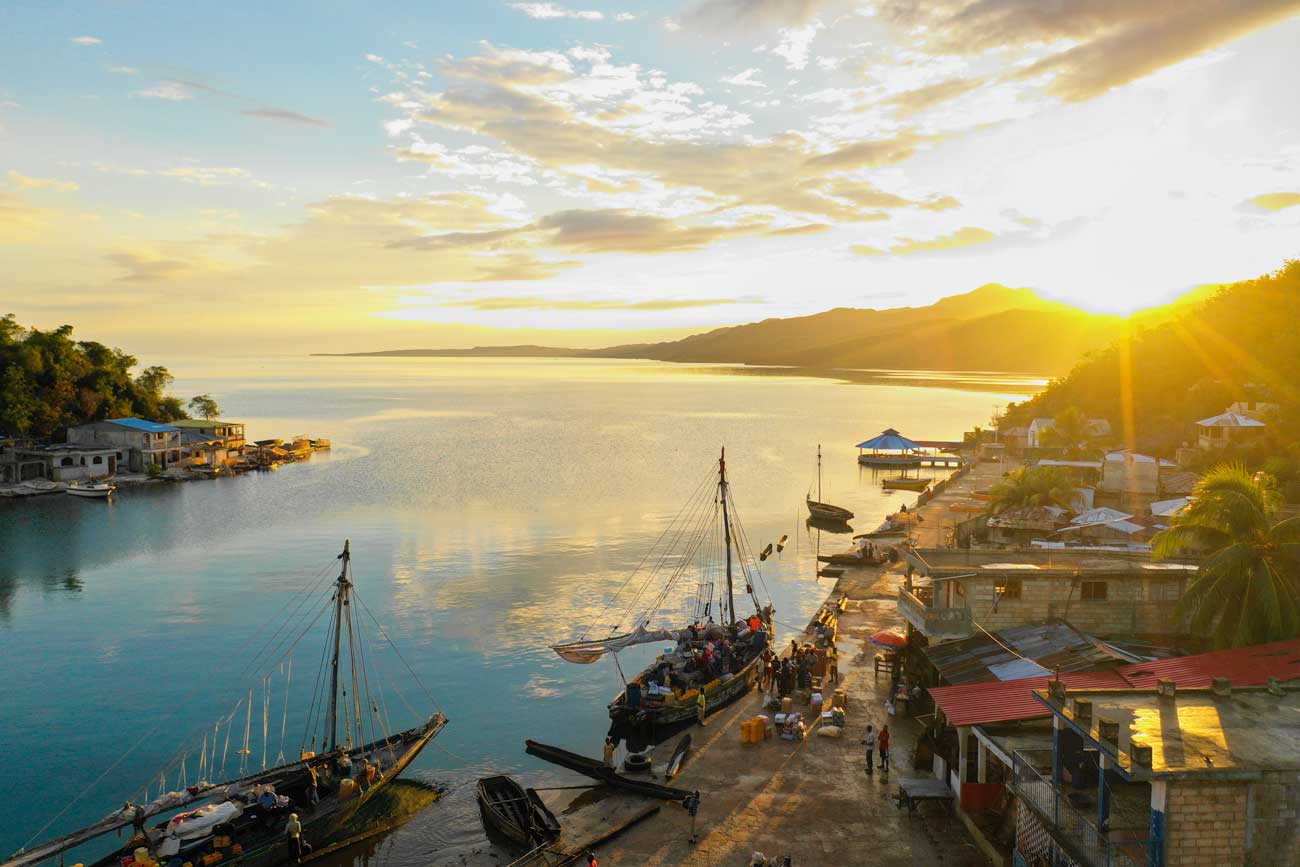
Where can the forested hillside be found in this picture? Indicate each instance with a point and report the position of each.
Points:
(48, 381)
(1241, 344)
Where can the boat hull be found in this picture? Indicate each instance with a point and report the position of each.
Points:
(827, 512)
(905, 484)
(90, 493)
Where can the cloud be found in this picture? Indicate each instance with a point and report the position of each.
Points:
(537, 302)
(547, 11)
(24, 182)
(86, 40)
(911, 102)
(283, 114)
(795, 43)
(940, 203)
(968, 236)
(1266, 201)
(18, 219)
(744, 79)
(754, 14)
(144, 266)
(625, 16)
(1092, 46)
(124, 70)
(171, 91)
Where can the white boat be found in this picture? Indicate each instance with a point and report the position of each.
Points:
(98, 490)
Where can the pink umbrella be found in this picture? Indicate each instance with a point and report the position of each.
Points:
(889, 639)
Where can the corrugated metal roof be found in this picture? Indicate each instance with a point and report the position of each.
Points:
(1052, 646)
(1230, 419)
(141, 424)
(1012, 700)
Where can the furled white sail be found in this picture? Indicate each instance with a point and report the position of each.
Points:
(587, 652)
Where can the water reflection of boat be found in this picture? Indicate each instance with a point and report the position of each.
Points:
(828, 526)
(241, 819)
(719, 660)
(825, 511)
(515, 813)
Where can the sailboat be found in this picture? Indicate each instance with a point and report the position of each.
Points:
(208, 822)
(721, 657)
(825, 511)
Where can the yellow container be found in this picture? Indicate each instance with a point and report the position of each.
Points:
(747, 732)
(347, 788)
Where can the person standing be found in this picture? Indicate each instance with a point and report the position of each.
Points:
(591, 860)
(609, 752)
(700, 706)
(884, 748)
(870, 741)
(833, 664)
(692, 804)
(313, 781)
(293, 831)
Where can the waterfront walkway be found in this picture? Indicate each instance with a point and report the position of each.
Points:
(811, 800)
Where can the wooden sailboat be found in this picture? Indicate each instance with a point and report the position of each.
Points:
(719, 659)
(825, 511)
(223, 821)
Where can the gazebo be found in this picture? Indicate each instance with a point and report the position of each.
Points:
(890, 449)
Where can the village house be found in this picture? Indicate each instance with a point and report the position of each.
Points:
(997, 739)
(67, 462)
(1097, 428)
(1225, 429)
(230, 434)
(1112, 594)
(1015, 439)
(137, 443)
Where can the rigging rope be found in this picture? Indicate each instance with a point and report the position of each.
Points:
(284, 719)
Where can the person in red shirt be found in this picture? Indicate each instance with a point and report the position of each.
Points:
(883, 740)
(591, 859)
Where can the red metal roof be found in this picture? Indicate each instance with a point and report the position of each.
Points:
(1012, 700)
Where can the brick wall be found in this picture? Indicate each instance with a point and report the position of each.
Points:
(1272, 830)
(1205, 824)
(1133, 605)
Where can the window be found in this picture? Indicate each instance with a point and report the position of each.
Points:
(1162, 591)
(1093, 591)
(1007, 588)
(97, 460)
(66, 462)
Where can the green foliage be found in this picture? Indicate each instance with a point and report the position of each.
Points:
(204, 407)
(1154, 383)
(154, 470)
(49, 381)
(1247, 588)
(1032, 486)
(1069, 433)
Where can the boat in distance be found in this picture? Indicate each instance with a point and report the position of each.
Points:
(240, 818)
(825, 511)
(903, 483)
(91, 490)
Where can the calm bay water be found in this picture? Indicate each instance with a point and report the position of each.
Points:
(493, 506)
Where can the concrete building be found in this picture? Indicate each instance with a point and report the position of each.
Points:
(229, 433)
(67, 462)
(1128, 472)
(1108, 594)
(137, 443)
(1169, 776)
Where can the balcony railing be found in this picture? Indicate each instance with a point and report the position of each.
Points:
(934, 622)
(1075, 831)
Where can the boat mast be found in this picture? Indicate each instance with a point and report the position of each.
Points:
(819, 472)
(340, 599)
(726, 533)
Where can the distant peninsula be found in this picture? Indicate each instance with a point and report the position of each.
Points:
(991, 328)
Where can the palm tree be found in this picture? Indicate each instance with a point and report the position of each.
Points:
(1032, 486)
(1247, 588)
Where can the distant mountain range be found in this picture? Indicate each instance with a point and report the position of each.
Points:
(993, 328)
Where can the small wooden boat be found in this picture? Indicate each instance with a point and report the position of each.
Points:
(598, 770)
(94, 490)
(515, 814)
(903, 483)
(842, 559)
(825, 511)
(831, 572)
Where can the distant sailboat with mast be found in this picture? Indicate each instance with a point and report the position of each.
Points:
(717, 652)
(825, 511)
(347, 755)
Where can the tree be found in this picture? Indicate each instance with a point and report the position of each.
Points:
(1247, 587)
(203, 406)
(1070, 433)
(1032, 486)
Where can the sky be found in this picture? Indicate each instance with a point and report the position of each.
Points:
(333, 176)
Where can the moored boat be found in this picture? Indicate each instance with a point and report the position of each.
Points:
(92, 490)
(825, 511)
(903, 483)
(347, 756)
(718, 660)
(514, 813)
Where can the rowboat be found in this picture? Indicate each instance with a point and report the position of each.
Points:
(514, 813)
(719, 660)
(94, 490)
(825, 511)
(678, 759)
(903, 483)
(228, 817)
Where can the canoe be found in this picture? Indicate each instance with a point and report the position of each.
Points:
(904, 484)
(598, 770)
(505, 809)
(831, 572)
(679, 757)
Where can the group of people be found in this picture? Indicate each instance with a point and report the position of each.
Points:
(706, 652)
(876, 742)
(784, 675)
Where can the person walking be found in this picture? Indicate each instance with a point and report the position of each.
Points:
(313, 782)
(870, 741)
(884, 748)
(700, 706)
(692, 804)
